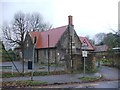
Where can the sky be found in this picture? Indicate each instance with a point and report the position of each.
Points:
(89, 16)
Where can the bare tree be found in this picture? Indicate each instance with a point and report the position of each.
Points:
(36, 22)
(15, 32)
(99, 37)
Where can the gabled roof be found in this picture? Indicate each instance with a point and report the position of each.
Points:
(54, 36)
(90, 47)
(38, 35)
(42, 37)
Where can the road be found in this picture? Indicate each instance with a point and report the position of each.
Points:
(109, 73)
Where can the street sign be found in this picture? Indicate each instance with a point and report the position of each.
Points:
(84, 53)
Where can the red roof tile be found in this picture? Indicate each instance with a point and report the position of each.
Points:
(38, 42)
(54, 36)
(90, 47)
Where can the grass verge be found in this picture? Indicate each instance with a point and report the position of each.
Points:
(9, 74)
(25, 83)
(89, 79)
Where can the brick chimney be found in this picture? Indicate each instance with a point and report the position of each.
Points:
(70, 21)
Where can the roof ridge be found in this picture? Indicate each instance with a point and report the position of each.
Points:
(53, 28)
(48, 29)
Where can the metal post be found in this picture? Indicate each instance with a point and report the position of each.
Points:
(84, 46)
(22, 60)
(48, 55)
(84, 65)
(33, 63)
(34, 44)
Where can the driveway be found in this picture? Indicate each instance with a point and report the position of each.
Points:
(109, 73)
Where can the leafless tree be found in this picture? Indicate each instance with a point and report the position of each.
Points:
(99, 37)
(15, 32)
(36, 22)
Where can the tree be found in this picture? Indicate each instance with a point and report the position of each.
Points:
(92, 41)
(99, 38)
(110, 40)
(36, 23)
(116, 34)
(14, 33)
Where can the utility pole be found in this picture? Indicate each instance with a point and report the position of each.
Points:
(22, 57)
(48, 55)
(71, 54)
(84, 63)
(34, 44)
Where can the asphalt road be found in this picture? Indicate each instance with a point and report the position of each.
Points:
(109, 73)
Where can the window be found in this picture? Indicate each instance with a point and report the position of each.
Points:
(73, 44)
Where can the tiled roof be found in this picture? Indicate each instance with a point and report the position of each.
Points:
(39, 40)
(90, 47)
(54, 36)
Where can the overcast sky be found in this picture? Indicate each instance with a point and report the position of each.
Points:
(89, 16)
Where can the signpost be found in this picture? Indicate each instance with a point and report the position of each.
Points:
(84, 53)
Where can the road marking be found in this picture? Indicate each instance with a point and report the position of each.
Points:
(83, 85)
(94, 84)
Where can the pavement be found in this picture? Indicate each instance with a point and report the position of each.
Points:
(54, 79)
